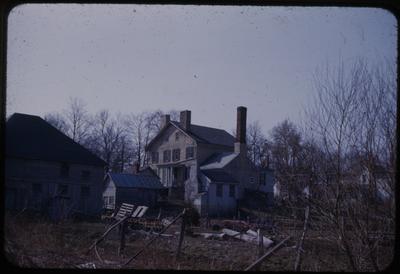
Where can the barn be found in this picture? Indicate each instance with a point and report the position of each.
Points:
(47, 171)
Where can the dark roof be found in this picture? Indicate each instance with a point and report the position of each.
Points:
(135, 181)
(208, 135)
(31, 137)
(218, 175)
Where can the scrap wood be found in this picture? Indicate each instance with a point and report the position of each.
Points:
(236, 224)
(165, 222)
(247, 237)
(211, 235)
(262, 258)
(252, 232)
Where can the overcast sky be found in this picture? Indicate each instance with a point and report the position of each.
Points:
(208, 59)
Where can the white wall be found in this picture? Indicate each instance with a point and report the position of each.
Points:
(221, 206)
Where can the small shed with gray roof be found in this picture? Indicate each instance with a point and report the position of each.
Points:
(136, 189)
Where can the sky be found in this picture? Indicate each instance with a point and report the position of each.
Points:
(207, 59)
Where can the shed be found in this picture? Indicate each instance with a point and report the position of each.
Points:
(137, 189)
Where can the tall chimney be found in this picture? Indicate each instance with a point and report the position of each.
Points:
(240, 144)
(165, 120)
(185, 119)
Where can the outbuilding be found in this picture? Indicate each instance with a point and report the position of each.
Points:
(137, 189)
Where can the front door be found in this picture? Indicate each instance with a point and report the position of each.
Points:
(178, 189)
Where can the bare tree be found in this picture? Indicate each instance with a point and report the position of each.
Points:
(58, 121)
(142, 128)
(106, 137)
(286, 150)
(345, 122)
(256, 143)
(77, 119)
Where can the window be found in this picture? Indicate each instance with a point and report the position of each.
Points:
(176, 155)
(177, 136)
(232, 190)
(85, 174)
(167, 156)
(219, 190)
(64, 171)
(85, 191)
(154, 157)
(189, 152)
(63, 190)
(36, 189)
(251, 180)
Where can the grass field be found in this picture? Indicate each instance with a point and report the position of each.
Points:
(34, 242)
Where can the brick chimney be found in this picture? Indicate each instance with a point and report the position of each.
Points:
(240, 144)
(165, 120)
(185, 119)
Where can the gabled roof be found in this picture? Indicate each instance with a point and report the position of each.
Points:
(201, 134)
(208, 135)
(135, 181)
(31, 137)
(218, 160)
(219, 176)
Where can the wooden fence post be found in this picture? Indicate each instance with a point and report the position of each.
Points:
(260, 243)
(297, 264)
(182, 233)
(122, 242)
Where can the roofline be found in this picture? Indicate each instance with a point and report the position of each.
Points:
(162, 131)
(60, 133)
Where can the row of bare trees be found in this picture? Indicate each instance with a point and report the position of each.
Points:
(118, 139)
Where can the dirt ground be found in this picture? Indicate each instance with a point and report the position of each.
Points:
(36, 243)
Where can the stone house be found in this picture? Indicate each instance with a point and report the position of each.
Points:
(204, 166)
(47, 171)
